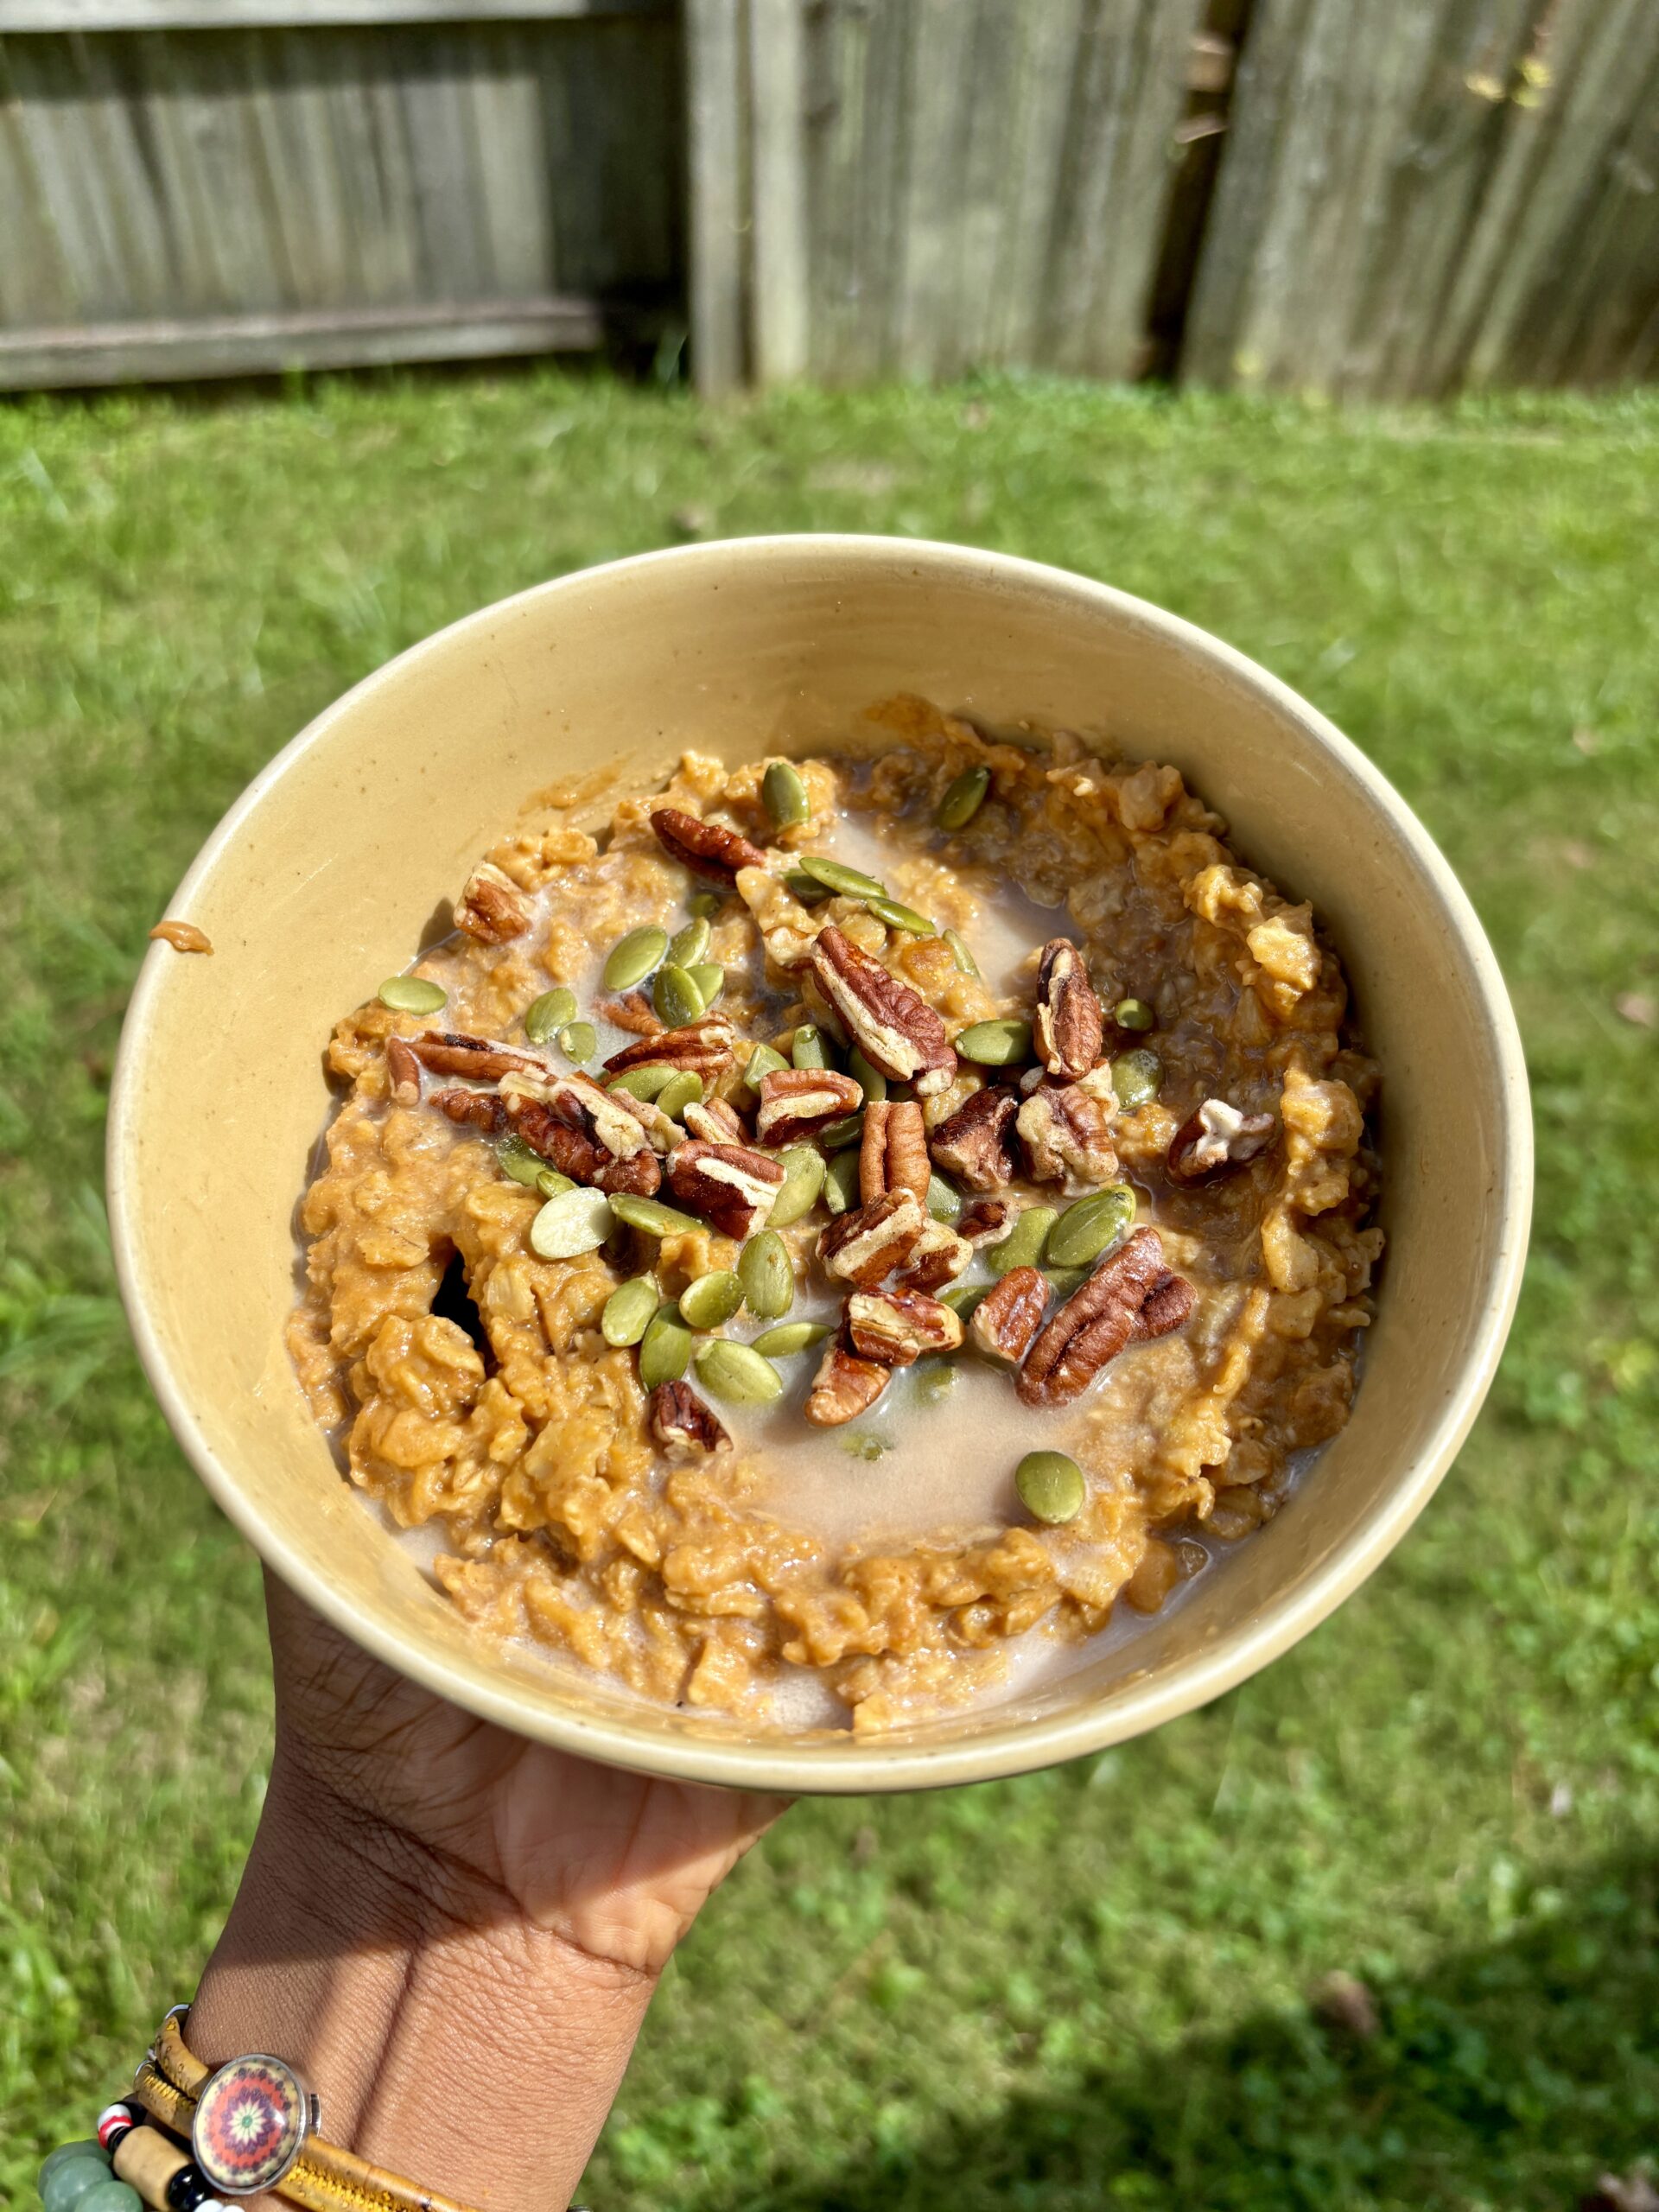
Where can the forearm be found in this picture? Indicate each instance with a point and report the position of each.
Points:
(449, 2038)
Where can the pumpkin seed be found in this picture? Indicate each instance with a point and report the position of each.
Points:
(1001, 1043)
(737, 1373)
(647, 1083)
(675, 996)
(628, 1311)
(576, 1221)
(710, 979)
(851, 882)
(870, 1081)
(806, 889)
(1084, 1230)
(682, 1090)
(901, 917)
(789, 1337)
(944, 1201)
(552, 1185)
(691, 944)
(763, 1060)
(651, 1215)
(549, 1012)
(840, 1183)
(767, 1276)
(1133, 1014)
(579, 1041)
(711, 1299)
(1063, 1281)
(835, 1136)
(632, 958)
(519, 1163)
(935, 1379)
(962, 802)
(809, 1049)
(966, 964)
(412, 994)
(802, 1179)
(783, 796)
(861, 1444)
(963, 1298)
(705, 903)
(1023, 1245)
(1050, 1487)
(1136, 1077)
(665, 1348)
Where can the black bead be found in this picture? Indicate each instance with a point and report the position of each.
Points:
(190, 2189)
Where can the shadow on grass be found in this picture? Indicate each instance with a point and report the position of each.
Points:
(1511, 2075)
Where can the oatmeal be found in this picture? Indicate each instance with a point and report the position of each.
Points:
(846, 1222)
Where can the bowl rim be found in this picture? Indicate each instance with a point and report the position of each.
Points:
(840, 1765)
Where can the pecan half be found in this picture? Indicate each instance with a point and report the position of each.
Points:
(844, 1386)
(733, 1186)
(985, 1222)
(717, 1119)
(865, 1245)
(1068, 1028)
(605, 1116)
(473, 1109)
(894, 1153)
(403, 1072)
(977, 1144)
(681, 1422)
(1066, 1132)
(1005, 1320)
(1097, 1321)
(894, 1327)
(1216, 1139)
(575, 1151)
(898, 1032)
(632, 1011)
(795, 1102)
(938, 1257)
(492, 908)
(706, 848)
(703, 1048)
(451, 1051)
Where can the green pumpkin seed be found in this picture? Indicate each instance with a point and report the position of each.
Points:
(675, 996)
(1084, 1230)
(632, 958)
(806, 890)
(651, 1215)
(962, 802)
(840, 1183)
(1023, 1245)
(861, 1444)
(1133, 1014)
(711, 1299)
(767, 1276)
(763, 1061)
(691, 944)
(575, 1221)
(783, 796)
(994, 1044)
(901, 917)
(789, 1337)
(851, 882)
(943, 1200)
(681, 1090)
(961, 1298)
(710, 979)
(935, 1379)
(519, 1163)
(1050, 1487)
(705, 904)
(966, 964)
(628, 1311)
(835, 1136)
(579, 1041)
(802, 1179)
(870, 1081)
(1136, 1077)
(549, 1012)
(1063, 1281)
(647, 1083)
(809, 1048)
(737, 1373)
(412, 994)
(665, 1348)
(552, 1185)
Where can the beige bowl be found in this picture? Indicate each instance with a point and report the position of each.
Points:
(324, 875)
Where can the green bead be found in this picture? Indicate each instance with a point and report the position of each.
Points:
(112, 2196)
(550, 1013)
(75, 2178)
(87, 2146)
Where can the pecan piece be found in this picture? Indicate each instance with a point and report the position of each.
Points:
(1168, 1305)
(895, 1327)
(732, 1185)
(492, 908)
(632, 1011)
(899, 1033)
(1068, 1026)
(865, 1245)
(844, 1386)
(707, 849)
(450, 1052)
(607, 1117)
(938, 1257)
(403, 1072)
(1066, 1132)
(797, 1101)
(717, 1119)
(575, 1151)
(977, 1144)
(894, 1153)
(1005, 1320)
(1216, 1141)
(986, 1221)
(473, 1109)
(681, 1422)
(703, 1048)
(1097, 1321)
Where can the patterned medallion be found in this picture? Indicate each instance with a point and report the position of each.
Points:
(250, 2121)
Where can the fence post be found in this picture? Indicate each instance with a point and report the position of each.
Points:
(781, 306)
(713, 72)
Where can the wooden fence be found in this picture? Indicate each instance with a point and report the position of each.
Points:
(1387, 196)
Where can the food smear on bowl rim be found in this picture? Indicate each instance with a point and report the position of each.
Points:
(1085, 1293)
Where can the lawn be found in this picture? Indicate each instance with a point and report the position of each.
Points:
(1091, 1987)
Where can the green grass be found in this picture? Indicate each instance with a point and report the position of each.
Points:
(1090, 1987)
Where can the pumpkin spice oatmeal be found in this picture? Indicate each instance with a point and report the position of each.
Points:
(832, 1235)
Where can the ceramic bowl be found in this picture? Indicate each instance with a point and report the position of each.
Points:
(323, 876)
